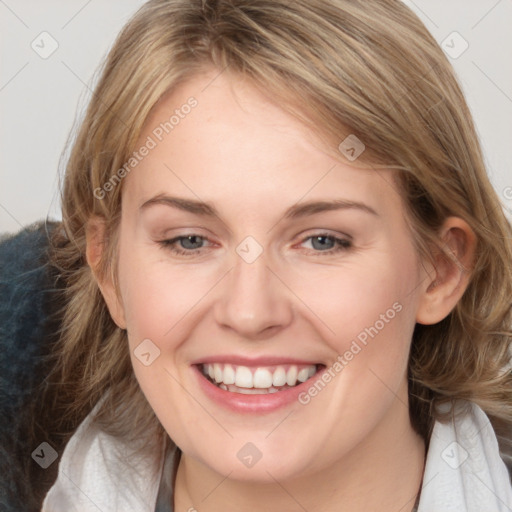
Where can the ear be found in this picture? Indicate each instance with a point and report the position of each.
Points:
(449, 277)
(95, 233)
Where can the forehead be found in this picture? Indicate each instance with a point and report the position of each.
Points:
(236, 144)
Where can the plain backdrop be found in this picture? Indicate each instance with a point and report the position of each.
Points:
(50, 50)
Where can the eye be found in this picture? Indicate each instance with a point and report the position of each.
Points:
(320, 243)
(185, 245)
(326, 243)
(191, 242)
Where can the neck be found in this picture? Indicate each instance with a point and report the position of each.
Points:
(383, 473)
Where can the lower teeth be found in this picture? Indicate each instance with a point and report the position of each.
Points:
(251, 391)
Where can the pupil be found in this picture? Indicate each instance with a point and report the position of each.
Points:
(191, 242)
(322, 242)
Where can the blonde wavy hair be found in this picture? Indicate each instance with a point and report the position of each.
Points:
(366, 67)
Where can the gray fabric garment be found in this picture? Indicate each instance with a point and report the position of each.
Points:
(165, 502)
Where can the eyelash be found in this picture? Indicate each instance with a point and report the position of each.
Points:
(342, 244)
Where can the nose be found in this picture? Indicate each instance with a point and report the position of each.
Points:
(254, 302)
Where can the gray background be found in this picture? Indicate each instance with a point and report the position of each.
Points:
(40, 97)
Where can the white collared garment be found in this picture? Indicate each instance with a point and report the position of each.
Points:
(101, 473)
(463, 472)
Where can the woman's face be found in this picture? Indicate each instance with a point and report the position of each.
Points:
(249, 254)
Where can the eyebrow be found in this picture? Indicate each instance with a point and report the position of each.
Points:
(298, 210)
(187, 205)
(312, 207)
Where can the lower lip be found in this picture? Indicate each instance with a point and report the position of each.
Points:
(261, 403)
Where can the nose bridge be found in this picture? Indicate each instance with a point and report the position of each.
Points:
(253, 300)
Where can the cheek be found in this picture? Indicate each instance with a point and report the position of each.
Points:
(362, 300)
(367, 316)
(367, 376)
(158, 302)
(156, 296)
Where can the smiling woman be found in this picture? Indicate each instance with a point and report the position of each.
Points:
(300, 294)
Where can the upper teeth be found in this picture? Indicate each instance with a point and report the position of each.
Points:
(261, 377)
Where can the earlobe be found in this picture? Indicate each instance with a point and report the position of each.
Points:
(445, 285)
(95, 245)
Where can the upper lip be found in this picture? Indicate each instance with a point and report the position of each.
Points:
(253, 361)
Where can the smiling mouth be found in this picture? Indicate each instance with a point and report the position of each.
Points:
(258, 380)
